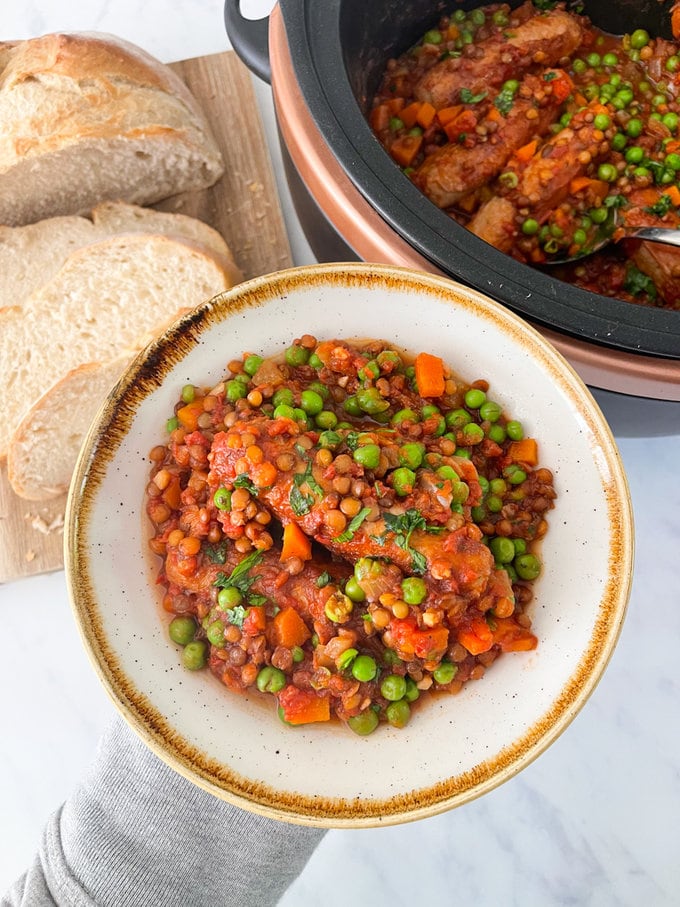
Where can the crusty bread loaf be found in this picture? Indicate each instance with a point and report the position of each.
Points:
(44, 448)
(107, 298)
(85, 118)
(31, 255)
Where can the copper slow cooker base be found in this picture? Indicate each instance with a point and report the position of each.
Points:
(372, 239)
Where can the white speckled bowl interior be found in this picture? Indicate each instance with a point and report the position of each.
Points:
(455, 748)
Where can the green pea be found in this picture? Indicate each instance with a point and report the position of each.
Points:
(580, 237)
(673, 161)
(639, 39)
(311, 402)
(222, 499)
(182, 630)
(448, 472)
(459, 494)
(634, 154)
(172, 424)
(364, 723)
(403, 480)
(579, 66)
(298, 654)
(398, 713)
(283, 411)
(602, 121)
(670, 121)
(236, 390)
(457, 418)
(413, 590)
(283, 396)
(494, 504)
(673, 63)
(490, 411)
(270, 680)
(519, 545)
(364, 668)
(473, 433)
(297, 355)
(412, 691)
(527, 566)
(194, 655)
(326, 419)
(502, 549)
(500, 18)
(432, 37)
(515, 430)
(354, 591)
(610, 59)
(405, 415)
(411, 454)
(371, 401)
(367, 456)
(618, 141)
(315, 362)
(229, 597)
(251, 364)
(345, 659)
(215, 633)
(607, 172)
(462, 452)
(393, 687)
(445, 672)
(396, 124)
(351, 406)
(659, 100)
(188, 393)
(514, 474)
(498, 486)
(497, 433)
(474, 398)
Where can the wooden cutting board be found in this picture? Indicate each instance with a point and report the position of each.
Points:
(243, 206)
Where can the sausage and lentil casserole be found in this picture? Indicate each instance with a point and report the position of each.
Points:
(346, 530)
(541, 134)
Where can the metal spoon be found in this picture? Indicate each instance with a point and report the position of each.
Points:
(603, 236)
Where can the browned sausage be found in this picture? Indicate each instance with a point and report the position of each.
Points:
(543, 39)
(453, 171)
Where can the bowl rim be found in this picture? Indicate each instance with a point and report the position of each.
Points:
(312, 31)
(107, 433)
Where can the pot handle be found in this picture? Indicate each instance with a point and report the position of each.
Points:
(249, 38)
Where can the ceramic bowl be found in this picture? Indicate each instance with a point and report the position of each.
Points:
(456, 747)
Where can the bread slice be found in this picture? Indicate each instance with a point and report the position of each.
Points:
(43, 450)
(86, 118)
(31, 255)
(107, 298)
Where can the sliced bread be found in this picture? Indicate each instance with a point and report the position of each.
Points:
(31, 255)
(44, 448)
(107, 298)
(86, 118)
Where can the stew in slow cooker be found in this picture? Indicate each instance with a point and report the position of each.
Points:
(346, 531)
(541, 134)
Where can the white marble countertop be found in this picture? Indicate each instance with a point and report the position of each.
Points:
(593, 821)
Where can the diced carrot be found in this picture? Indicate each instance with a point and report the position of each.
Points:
(255, 621)
(263, 474)
(188, 415)
(395, 105)
(644, 198)
(526, 152)
(430, 378)
(303, 706)
(672, 147)
(409, 115)
(673, 193)
(452, 32)
(512, 637)
(289, 629)
(675, 21)
(446, 114)
(410, 641)
(465, 122)
(425, 115)
(380, 118)
(562, 86)
(598, 187)
(524, 451)
(172, 493)
(295, 543)
(494, 115)
(405, 148)
(477, 637)
(580, 100)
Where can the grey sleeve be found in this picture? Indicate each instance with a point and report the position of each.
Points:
(137, 833)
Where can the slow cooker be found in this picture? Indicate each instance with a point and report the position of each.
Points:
(324, 61)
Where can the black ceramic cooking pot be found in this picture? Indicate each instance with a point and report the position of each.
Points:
(324, 59)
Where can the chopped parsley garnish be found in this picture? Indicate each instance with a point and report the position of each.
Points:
(503, 101)
(550, 76)
(240, 579)
(348, 534)
(403, 525)
(637, 282)
(216, 553)
(323, 580)
(236, 615)
(467, 97)
(661, 207)
(300, 502)
(352, 440)
(545, 4)
(243, 481)
(615, 201)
